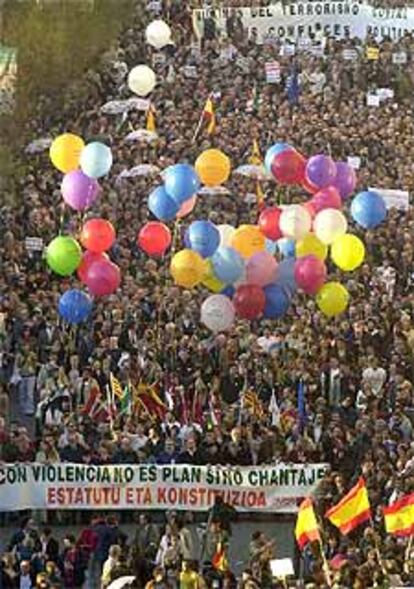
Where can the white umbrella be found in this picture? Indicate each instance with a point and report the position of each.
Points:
(121, 582)
(208, 190)
(140, 170)
(253, 171)
(141, 135)
(38, 145)
(115, 107)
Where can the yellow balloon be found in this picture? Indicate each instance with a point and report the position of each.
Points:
(65, 152)
(187, 268)
(348, 252)
(310, 245)
(332, 299)
(211, 281)
(213, 167)
(248, 240)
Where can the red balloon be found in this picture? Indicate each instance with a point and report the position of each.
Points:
(308, 186)
(97, 235)
(249, 301)
(310, 274)
(103, 278)
(269, 223)
(310, 208)
(88, 258)
(288, 167)
(327, 198)
(154, 238)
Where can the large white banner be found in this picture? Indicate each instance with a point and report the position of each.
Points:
(292, 20)
(273, 489)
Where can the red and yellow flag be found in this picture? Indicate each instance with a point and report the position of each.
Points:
(151, 120)
(209, 115)
(399, 517)
(353, 510)
(219, 560)
(306, 529)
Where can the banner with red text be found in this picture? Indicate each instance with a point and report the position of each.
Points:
(274, 489)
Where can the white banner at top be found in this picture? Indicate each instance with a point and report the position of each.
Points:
(298, 19)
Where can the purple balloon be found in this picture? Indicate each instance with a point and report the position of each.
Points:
(321, 170)
(346, 180)
(78, 190)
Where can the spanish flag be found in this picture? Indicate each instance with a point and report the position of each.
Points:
(306, 529)
(151, 120)
(209, 115)
(219, 560)
(116, 387)
(399, 517)
(353, 510)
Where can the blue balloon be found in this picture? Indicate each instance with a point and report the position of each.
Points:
(228, 265)
(74, 306)
(96, 159)
(181, 182)
(228, 291)
(272, 152)
(286, 275)
(162, 205)
(186, 239)
(368, 209)
(286, 247)
(271, 246)
(277, 301)
(204, 237)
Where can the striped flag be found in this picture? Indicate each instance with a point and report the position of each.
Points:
(252, 403)
(210, 116)
(255, 158)
(219, 560)
(399, 516)
(353, 510)
(116, 387)
(306, 529)
(151, 127)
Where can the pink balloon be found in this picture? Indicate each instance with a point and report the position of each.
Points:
(187, 207)
(310, 274)
(88, 258)
(261, 269)
(327, 198)
(103, 278)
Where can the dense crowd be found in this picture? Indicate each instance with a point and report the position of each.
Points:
(357, 370)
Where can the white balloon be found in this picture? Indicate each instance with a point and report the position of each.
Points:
(158, 34)
(329, 224)
(226, 233)
(141, 80)
(217, 313)
(295, 222)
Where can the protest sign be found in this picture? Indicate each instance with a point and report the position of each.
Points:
(272, 69)
(34, 244)
(372, 53)
(373, 100)
(399, 58)
(394, 199)
(354, 161)
(272, 489)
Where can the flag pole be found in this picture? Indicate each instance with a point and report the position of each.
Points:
(325, 565)
(408, 550)
(197, 131)
(109, 403)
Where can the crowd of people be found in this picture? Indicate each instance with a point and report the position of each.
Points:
(357, 370)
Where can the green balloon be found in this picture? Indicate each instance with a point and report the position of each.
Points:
(63, 255)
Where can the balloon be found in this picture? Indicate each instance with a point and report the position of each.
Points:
(368, 209)
(295, 222)
(272, 152)
(78, 190)
(65, 152)
(96, 159)
(248, 240)
(74, 306)
(187, 207)
(310, 245)
(288, 167)
(158, 34)
(261, 269)
(217, 313)
(63, 255)
(332, 299)
(187, 268)
(204, 238)
(141, 80)
(269, 223)
(249, 301)
(88, 258)
(98, 235)
(277, 301)
(320, 170)
(329, 224)
(181, 182)
(327, 198)
(213, 167)
(228, 265)
(345, 179)
(210, 280)
(287, 247)
(308, 186)
(348, 252)
(228, 291)
(226, 233)
(162, 206)
(271, 246)
(286, 275)
(154, 239)
(310, 274)
(103, 278)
